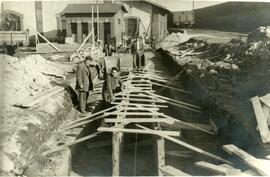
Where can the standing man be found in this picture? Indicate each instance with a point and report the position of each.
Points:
(111, 85)
(137, 49)
(84, 82)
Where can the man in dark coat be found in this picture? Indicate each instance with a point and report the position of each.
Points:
(84, 82)
(111, 85)
(137, 49)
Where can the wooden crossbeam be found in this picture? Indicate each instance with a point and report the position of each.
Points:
(261, 119)
(179, 142)
(171, 171)
(141, 100)
(90, 115)
(219, 169)
(141, 120)
(144, 105)
(259, 165)
(185, 125)
(78, 124)
(176, 101)
(172, 88)
(138, 131)
(133, 113)
(58, 148)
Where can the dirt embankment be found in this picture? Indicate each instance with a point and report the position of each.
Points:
(224, 77)
(25, 131)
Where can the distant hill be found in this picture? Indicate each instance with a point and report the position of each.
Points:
(233, 16)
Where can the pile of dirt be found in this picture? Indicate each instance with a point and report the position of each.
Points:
(228, 76)
(26, 77)
(80, 55)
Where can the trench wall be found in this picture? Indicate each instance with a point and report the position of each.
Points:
(233, 116)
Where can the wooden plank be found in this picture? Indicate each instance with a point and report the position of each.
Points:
(43, 96)
(179, 142)
(70, 143)
(266, 112)
(144, 105)
(172, 88)
(134, 113)
(137, 109)
(218, 169)
(176, 101)
(171, 171)
(81, 123)
(177, 125)
(260, 165)
(48, 42)
(261, 120)
(90, 115)
(140, 120)
(138, 131)
(85, 40)
(140, 100)
(186, 124)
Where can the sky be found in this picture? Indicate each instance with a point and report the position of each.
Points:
(183, 5)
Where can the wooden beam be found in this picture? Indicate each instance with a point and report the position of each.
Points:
(144, 105)
(138, 131)
(172, 88)
(176, 101)
(85, 40)
(81, 123)
(90, 115)
(186, 124)
(261, 120)
(179, 142)
(140, 120)
(58, 148)
(51, 44)
(260, 165)
(133, 113)
(171, 171)
(141, 100)
(218, 169)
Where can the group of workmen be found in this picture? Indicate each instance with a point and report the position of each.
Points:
(112, 81)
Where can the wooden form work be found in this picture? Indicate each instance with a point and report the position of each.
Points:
(261, 106)
(138, 103)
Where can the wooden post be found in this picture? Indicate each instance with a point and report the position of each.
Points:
(93, 29)
(97, 23)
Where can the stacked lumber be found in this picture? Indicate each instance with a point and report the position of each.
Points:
(261, 106)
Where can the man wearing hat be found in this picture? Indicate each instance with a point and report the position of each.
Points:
(84, 82)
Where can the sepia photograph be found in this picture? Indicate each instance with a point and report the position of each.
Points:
(134, 88)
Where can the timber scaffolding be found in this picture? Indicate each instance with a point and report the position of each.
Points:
(139, 104)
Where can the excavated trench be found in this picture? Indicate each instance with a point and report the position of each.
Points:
(94, 157)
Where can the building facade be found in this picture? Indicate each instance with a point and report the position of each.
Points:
(72, 19)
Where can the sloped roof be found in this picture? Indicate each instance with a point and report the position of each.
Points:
(87, 8)
(156, 4)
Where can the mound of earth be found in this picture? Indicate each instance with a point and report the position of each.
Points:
(26, 77)
(228, 76)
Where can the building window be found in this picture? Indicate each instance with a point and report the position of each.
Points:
(119, 21)
(12, 21)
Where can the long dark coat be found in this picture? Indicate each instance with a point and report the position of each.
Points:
(83, 78)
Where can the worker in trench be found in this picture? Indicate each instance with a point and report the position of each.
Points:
(137, 50)
(84, 83)
(111, 85)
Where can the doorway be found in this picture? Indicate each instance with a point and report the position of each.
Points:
(107, 32)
